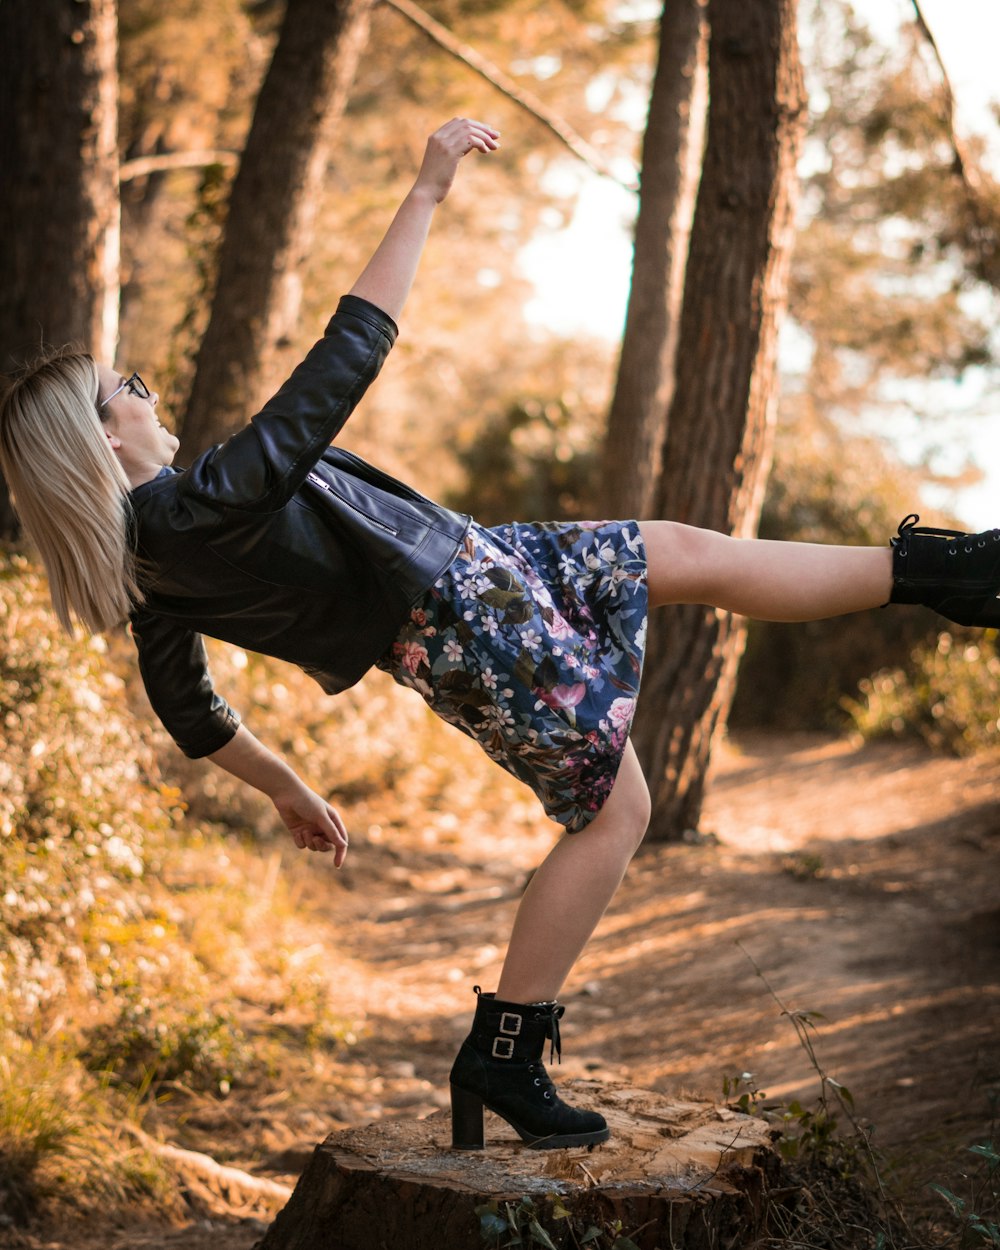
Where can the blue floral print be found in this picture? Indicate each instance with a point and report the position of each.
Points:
(532, 643)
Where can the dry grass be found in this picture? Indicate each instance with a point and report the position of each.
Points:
(151, 943)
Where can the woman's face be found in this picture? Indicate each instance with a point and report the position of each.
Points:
(132, 424)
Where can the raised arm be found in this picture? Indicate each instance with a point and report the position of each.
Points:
(388, 276)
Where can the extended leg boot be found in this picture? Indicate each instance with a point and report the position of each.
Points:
(956, 574)
(500, 1067)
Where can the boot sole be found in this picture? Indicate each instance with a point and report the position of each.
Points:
(468, 1133)
(983, 612)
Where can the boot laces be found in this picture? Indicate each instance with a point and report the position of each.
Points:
(908, 526)
(552, 1013)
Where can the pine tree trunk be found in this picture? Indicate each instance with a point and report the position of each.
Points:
(59, 212)
(718, 448)
(671, 163)
(271, 215)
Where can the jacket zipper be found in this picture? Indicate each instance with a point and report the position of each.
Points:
(318, 481)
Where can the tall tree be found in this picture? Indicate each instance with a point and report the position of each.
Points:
(272, 212)
(718, 444)
(59, 211)
(671, 165)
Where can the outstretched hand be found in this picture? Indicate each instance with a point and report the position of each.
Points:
(445, 149)
(314, 824)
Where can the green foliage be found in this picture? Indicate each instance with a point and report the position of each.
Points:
(82, 816)
(742, 1092)
(504, 1223)
(889, 288)
(537, 460)
(978, 1214)
(169, 1040)
(808, 1133)
(881, 273)
(142, 942)
(947, 695)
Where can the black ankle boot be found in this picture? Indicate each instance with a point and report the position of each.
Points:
(956, 574)
(500, 1067)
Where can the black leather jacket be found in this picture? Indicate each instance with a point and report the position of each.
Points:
(282, 544)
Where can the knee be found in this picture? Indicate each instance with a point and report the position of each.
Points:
(633, 816)
(627, 810)
(643, 810)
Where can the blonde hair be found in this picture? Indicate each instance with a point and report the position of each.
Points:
(69, 490)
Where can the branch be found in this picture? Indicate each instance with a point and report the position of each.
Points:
(983, 236)
(143, 165)
(965, 167)
(496, 77)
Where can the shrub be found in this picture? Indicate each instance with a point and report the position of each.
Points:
(149, 1042)
(947, 696)
(828, 485)
(60, 1138)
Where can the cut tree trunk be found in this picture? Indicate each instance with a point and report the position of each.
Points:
(688, 1175)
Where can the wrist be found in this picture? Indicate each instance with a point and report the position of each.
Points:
(427, 193)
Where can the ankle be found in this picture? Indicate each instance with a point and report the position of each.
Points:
(526, 990)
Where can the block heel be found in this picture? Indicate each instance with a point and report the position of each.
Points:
(466, 1120)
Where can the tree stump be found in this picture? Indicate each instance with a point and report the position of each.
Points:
(677, 1175)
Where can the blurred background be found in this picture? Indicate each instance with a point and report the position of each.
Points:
(734, 264)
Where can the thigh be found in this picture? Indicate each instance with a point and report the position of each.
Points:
(682, 560)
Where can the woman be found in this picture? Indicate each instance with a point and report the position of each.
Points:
(529, 638)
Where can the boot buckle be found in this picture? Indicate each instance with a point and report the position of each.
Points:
(513, 1029)
(510, 1023)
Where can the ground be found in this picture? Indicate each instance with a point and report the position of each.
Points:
(860, 880)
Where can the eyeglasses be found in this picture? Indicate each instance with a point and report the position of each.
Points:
(134, 385)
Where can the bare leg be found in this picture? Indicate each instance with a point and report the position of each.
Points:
(776, 581)
(568, 894)
(770, 581)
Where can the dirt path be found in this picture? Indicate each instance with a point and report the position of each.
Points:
(862, 881)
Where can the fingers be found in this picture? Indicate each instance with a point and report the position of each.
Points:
(340, 836)
(468, 135)
(324, 832)
(481, 137)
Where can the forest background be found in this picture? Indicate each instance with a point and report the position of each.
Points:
(891, 294)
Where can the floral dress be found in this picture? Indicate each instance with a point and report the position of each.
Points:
(532, 643)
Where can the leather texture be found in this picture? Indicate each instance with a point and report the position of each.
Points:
(281, 544)
(500, 1063)
(954, 573)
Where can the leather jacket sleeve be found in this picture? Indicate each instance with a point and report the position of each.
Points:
(240, 487)
(174, 670)
(261, 467)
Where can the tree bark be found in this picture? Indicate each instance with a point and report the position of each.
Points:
(59, 211)
(718, 445)
(683, 1174)
(671, 163)
(271, 215)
